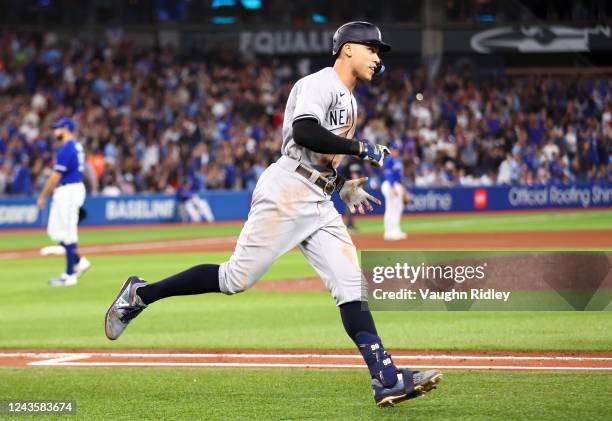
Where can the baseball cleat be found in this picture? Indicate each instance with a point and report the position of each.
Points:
(64, 280)
(81, 267)
(126, 306)
(410, 384)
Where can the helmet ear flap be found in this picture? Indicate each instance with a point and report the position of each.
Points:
(380, 69)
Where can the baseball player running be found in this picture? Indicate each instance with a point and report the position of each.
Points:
(394, 193)
(66, 183)
(291, 207)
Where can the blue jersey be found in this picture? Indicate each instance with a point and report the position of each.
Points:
(393, 169)
(70, 162)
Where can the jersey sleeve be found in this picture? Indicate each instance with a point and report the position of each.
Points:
(62, 160)
(313, 100)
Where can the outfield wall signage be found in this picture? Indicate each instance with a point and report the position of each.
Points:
(235, 205)
(131, 209)
(498, 198)
(286, 42)
(316, 41)
(530, 39)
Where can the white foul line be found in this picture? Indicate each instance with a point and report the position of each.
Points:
(57, 359)
(332, 366)
(318, 356)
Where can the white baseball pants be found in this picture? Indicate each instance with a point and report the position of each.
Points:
(394, 207)
(64, 214)
(289, 211)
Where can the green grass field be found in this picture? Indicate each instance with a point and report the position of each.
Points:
(37, 316)
(180, 394)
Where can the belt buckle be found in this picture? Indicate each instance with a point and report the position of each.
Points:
(329, 183)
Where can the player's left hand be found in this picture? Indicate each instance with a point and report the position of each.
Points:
(355, 197)
(407, 198)
(40, 202)
(373, 153)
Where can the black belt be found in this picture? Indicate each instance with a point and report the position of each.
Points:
(328, 186)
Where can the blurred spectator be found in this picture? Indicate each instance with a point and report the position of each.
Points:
(509, 171)
(110, 185)
(21, 182)
(149, 118)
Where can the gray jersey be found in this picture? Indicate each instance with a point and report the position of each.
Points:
(321, 96)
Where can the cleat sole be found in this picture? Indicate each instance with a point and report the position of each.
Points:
(106, 330)
(419, 390)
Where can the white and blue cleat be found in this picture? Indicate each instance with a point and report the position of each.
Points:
(409, 385)
(126, 307)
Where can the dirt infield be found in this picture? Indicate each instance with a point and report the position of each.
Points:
(577, 239)
(311, 359)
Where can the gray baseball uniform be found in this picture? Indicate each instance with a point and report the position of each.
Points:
(322, 96)
(290, 211)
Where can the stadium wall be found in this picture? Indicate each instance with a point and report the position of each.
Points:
(234, 205)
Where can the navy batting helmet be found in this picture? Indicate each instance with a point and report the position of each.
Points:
(360, 33)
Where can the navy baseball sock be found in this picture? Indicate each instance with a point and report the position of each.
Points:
(355, 320)
(360, 327)
(199, 279)
(70, 257)
(77, 256)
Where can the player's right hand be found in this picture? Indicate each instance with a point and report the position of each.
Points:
(373, 153)
(355, 197)
(40, 203)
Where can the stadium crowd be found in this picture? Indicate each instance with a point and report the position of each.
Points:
(152, 121)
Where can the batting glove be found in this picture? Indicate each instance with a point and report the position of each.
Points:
(373, 153)
(355, 197)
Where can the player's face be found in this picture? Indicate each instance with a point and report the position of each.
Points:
(62, 134)
(59, 134)
(365, 60)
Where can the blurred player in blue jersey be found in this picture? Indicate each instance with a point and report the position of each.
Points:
(68, 189)
(394, 192)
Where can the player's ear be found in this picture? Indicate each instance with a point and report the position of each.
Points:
(347, 48)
